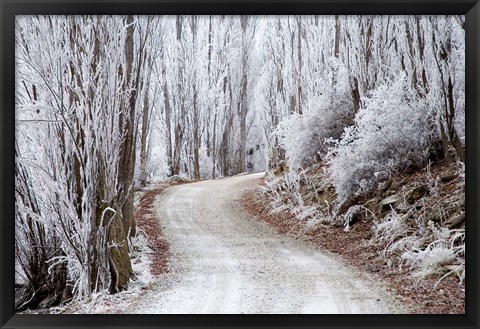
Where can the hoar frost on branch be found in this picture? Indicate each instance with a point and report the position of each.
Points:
(392, 132)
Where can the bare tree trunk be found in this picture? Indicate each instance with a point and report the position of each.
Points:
(145, 132)
(123, 222)
(224, 145)
(127, 152)
(196, 116)
(177, 150)
(336, 50)
(411, 57)
(214, 146)
(368, 54)
(168, 122)
(179, 134)
(243, 106)
(298, 102)
(355, 96)
(196, 136)
(243, 125)
(421, 47)
(453, 136)
(337, 36)
(119, 259)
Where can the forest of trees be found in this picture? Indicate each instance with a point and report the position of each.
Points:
(108, 104)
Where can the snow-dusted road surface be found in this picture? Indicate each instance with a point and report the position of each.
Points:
(225, 261)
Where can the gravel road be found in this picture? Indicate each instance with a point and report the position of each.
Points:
(225, 261)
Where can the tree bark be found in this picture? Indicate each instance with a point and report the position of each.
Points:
(145, 132)
(128, 147)
(168, 122)
(119, 259)
(243, 104)
(298, 102)
(337, 36)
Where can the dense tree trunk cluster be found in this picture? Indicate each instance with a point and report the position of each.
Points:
(80, 164)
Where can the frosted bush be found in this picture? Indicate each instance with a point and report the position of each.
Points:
(392, 228)
(435, 251)
(286, 195)
(303, 136)
(392, 131)
(445, 255)
(430, 260)
(284, 190)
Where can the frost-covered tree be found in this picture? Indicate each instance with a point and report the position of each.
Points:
(35, 245)
(345, 59)
(304, 137)
(446, 90)
(392, 132)
(325, 105)
(207, 93)
(85, 72)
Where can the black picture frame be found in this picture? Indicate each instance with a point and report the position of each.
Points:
(8, 10)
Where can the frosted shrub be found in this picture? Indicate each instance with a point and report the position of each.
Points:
(284, 190)
(391, 132)
(285, 195)
(430, 260)
(303, 136)
(444, 255)
(392, 228)
(427, 249)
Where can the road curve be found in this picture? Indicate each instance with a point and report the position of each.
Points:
(225, 261)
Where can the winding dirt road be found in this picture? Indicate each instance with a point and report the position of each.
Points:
(225, 261)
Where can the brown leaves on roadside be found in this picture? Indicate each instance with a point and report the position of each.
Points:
(150, 224)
